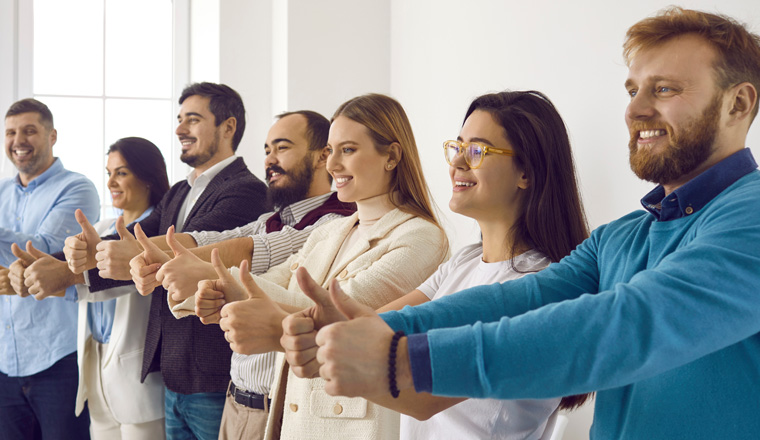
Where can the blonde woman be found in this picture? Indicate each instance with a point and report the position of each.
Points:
(387, 248)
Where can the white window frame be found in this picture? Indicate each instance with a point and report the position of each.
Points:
(18, 26)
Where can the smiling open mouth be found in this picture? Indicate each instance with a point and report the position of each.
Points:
(646, 134)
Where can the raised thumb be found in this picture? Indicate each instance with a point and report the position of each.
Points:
(311, 289)
(254, 291)
(173, 243)
(347, 305)
(143, 239)
(90, 234)
(33, 251)
(122, 230)
(219, 267)
(19, 253)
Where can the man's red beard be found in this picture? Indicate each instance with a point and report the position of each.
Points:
(687, 149)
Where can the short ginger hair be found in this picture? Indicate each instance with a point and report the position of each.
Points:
(737, 48)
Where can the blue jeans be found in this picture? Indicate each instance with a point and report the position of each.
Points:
(41, 406)
(193, 416)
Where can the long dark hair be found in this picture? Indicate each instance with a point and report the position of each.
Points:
(145, 160)
(552, 220)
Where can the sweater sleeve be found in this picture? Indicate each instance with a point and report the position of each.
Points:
(421, 251)
(698, 299)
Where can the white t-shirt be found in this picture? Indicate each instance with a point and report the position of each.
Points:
(481, 418)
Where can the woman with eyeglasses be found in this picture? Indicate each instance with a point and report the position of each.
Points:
(512, 171)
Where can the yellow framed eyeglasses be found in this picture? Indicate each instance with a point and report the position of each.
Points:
(473, 152)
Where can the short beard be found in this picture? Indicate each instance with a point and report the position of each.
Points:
(688, 149)
(204, 156)
(297, 188)
(34, 166)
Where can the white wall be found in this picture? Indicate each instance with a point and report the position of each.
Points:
(284, 55)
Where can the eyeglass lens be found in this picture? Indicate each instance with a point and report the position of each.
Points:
(473, 153)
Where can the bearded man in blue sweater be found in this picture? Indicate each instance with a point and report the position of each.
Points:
(659, 311)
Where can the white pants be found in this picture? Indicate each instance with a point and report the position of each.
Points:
(103, 426)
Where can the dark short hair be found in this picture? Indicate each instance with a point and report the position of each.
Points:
(145, 160)
(224, 103)
(31, 105)
(317, 128)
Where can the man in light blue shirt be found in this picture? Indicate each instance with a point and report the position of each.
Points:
(38, 370)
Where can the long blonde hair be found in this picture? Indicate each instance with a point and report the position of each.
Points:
(387, 123)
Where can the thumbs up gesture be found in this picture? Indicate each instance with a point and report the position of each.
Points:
(299, 330)
(144, 266)
(252, 325)
(80, 249)
(47, 276)
(5, 282)
(181, 275)
(221, 289)
(113, 256)
(17, 269)
(354, 353)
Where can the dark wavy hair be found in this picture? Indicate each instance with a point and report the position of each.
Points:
(552, 220)
(145, 160)
(224, 103)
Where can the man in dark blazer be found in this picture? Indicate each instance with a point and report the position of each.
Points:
(219, 194)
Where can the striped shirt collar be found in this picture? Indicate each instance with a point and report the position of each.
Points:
(295, 212)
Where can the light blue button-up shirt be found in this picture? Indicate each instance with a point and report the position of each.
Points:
(36, 334)
(100, 314)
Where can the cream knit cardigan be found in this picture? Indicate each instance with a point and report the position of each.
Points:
(395, 256)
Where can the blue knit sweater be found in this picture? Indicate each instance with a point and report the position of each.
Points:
(660, 317)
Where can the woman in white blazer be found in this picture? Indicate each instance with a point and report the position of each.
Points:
(390, 245)
(112, 323)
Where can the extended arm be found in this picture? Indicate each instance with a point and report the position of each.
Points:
(574, 275)
(697, 300)
(376, 285)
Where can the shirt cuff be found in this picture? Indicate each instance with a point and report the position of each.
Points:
(198, 236)
(419, 360)
(259, 256)
(71, 294)
(394, 321)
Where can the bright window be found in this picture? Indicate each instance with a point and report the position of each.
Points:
(105, 69)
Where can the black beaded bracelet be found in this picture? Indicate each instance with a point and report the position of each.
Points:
(392, 364)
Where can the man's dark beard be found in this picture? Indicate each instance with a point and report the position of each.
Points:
(204, 156)
(687, 150)
(299, 182)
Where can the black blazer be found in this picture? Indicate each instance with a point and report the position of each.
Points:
(192, 357)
